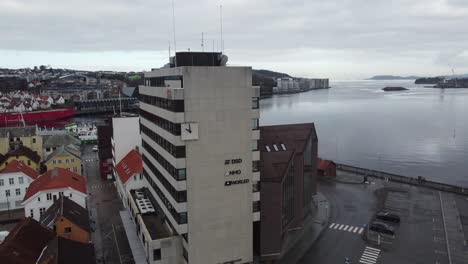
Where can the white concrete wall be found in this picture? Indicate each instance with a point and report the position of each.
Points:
(39, 200)
(13, 200)
(126, 135)
(220, 217)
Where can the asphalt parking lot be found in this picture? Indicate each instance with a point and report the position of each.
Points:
(428, 232)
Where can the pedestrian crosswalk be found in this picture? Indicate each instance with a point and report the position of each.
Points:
(98, 186)
(347, 228)
(370, 255)
(89, 160)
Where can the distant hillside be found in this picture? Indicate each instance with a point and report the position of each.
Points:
(392, 77)
(271, 74)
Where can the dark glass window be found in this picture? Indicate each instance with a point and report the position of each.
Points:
(163, 162)
(176, 151)
(167, 104)
(161, 122)
(156, 254)
(255, 103)
(255, 165)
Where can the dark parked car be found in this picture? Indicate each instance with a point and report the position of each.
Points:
(383, 228)
(389, 217)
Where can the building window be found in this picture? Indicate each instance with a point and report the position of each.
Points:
(181, 174)
(255, 104)
(7, 193)
(255, 124)
(54, 162)
(67, 230)
(75, 169)
(49, 196)
(156, 254)
(176, 151)
(31, 213)
(47, 149)
(256, 187)
(39, 199)
(59, 161)
(42, 211)
(256, 206)
(72, 160)
(34, 140)
(70, 195)
(61, 193)
(12, 181)
(21, 180)
(1, 182)
(29, 163)
(67, 161)
(255, 165)
(18, 191)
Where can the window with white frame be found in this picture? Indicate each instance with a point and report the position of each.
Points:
(7, 193)
(18, 191)
(12, 181)
(49, 196)
(21, 180)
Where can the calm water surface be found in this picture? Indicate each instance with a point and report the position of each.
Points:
(420, 132)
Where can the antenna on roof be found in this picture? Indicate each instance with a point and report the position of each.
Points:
(202, 42)
(169, 42)
(174, 33)
(221, 26)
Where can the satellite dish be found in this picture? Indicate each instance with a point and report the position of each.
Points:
(223, 60)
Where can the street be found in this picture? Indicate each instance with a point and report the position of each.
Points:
(104, 205)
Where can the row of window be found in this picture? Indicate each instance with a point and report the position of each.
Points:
(161, 81)
(176, 151)
(60, 161)
(170, 127)
(180, 218)
(170, 105)
(179, 196)
(19, 139)
(17, 192)
(11, 181)
(177, 174)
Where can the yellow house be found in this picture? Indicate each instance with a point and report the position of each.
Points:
(12, 138)
(23, 155)
(65, 157)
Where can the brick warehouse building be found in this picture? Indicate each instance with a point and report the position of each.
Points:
(288, 175)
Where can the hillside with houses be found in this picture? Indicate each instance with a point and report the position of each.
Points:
(23, 101)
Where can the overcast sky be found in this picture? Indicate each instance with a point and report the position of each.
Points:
(340, 39)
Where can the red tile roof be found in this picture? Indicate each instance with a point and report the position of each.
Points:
(54, 179)
(25, 243)
(323, 164)
(129, 165)
(16, 166)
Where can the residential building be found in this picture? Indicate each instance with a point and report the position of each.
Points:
(12, 138)
(52, 142)
(326, 168)
(129, 174)
(199, 126)
(25, 242)
(65, 157)
(21, 154)
(14, 181)
(125, 136)
(48, 187)
(61, 250)
(105, 151)
(68, 219)
(288, 183)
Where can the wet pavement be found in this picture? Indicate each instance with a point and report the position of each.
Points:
(104, 205)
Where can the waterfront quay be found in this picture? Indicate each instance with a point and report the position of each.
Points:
(433, 227)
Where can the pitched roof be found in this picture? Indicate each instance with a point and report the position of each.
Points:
(25, 242)
(54, 179)
(16, 166)
(62, 150)
(23, 151)
(61, 250)
(70, 210)
(129, 165)
(18, 131)
(59, 140)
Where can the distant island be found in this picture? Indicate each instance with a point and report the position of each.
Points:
(393, 89)
(392, 77)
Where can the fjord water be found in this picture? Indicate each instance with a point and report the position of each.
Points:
(419, 132)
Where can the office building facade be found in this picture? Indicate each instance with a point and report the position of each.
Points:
(199, 128)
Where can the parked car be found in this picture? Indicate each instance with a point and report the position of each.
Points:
(383, 228)
(388, 217)
(95, 148)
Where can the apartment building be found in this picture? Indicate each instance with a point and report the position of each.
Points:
(200, 132)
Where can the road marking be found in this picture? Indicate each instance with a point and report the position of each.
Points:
(370, 255)
(332, 225)
(346, 228)
(341, 227)
(355, 229)
(361, 230)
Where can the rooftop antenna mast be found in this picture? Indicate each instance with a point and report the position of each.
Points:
(169, 42)
(174, 32)
(221, 26)
(202, 42)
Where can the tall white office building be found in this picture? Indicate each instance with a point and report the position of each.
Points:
(199, 127)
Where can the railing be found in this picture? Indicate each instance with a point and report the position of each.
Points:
(420, 181)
